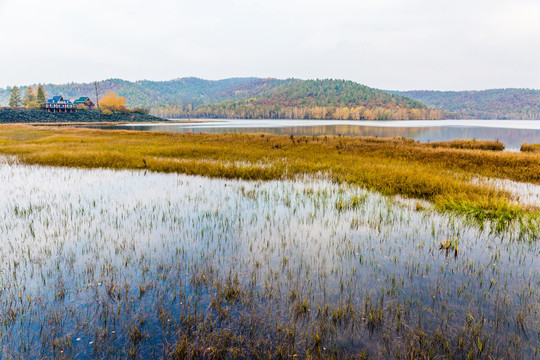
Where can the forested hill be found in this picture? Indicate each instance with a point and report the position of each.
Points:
(319, 99)
(253, 98)
(149, 94)
(486, 104)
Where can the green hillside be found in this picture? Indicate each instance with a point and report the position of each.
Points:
(486, 104)
(332, 93)
(253, 98)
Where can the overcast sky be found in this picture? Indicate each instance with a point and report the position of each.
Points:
(389, 44)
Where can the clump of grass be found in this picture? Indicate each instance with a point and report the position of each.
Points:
(450, 245)
(419, 207)
(534, 148)
(301, 308)
(350, 204)
(468, 144)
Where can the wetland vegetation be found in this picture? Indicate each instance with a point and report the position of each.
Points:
(511, 134)
(441, 174)
(115, 264)
(288, 247)
(530, 147)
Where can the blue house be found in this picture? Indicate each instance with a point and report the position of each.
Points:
(58, 104)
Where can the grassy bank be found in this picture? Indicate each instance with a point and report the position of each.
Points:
(442, 175)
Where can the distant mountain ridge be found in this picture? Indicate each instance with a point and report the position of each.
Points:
(483, 104)
(252, 97)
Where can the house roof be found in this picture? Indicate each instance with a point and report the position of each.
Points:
(84, 100)
(57, 99)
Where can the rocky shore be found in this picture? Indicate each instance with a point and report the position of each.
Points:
(10, 116)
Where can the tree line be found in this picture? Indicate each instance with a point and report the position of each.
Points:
(298, 112)
(33, 97)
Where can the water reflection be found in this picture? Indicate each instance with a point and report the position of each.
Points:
(117, 264)
(511, 137)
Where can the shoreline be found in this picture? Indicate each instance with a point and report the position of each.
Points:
(103, 123)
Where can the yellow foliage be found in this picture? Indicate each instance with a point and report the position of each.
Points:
(112, 102)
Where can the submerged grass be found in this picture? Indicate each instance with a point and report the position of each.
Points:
(440, 172)
(128, 264)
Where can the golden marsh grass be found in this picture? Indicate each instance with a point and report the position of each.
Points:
(530, 147)
(440, 173)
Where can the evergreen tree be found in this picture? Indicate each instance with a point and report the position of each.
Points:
(41, 95)
(14, 97)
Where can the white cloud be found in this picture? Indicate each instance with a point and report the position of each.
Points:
(387, 43)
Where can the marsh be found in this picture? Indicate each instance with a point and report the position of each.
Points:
(120, 263)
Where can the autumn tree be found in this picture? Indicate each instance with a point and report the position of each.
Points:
(30, 101)
(41, 96)
(14, 97)
(112, 102)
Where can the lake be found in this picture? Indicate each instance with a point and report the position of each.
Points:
(512, 133)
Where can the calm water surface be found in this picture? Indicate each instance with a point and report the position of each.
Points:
(512, 133)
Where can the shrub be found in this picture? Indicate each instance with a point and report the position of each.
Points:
(113, 102)
(140, 111)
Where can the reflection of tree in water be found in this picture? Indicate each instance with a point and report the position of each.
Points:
(512, 138)
(351, 130)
